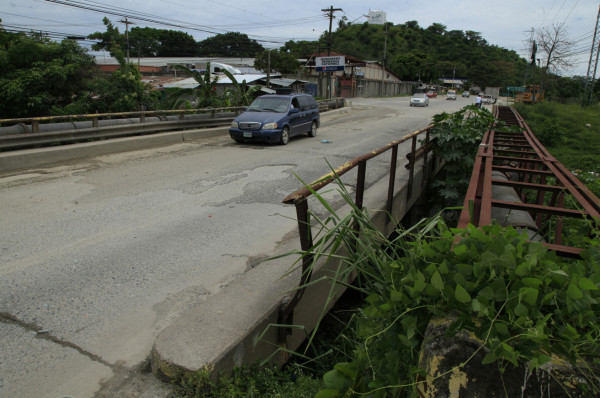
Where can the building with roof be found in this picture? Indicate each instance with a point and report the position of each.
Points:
(356, 78)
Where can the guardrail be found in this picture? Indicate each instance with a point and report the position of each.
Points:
(40, 131)
(300, 200)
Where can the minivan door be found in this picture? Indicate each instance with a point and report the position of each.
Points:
(296, 117)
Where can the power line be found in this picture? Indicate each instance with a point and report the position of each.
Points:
(131, 14)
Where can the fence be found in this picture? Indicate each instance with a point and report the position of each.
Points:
(52, 130)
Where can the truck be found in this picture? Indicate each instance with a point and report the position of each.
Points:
(533, 93)
(493, 91)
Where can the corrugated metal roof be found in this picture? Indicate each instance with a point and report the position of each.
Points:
(249, 78)
(164, 61)
(285, 82)
(190, 82)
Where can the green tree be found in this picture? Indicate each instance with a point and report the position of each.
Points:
(112, 40)
(241, 94)
(303, 48)
(38, 74)
(230, 44)
(206, 92)
(122, 91)
(281, 61)
(145, 42)
(174, 43)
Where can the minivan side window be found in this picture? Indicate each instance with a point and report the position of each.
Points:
(307, 102)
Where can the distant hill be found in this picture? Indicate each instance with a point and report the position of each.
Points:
(429, 53)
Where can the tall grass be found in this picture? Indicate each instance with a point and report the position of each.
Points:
(570, 132)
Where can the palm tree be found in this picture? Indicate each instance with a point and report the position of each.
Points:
(206, 92)
(240, 94)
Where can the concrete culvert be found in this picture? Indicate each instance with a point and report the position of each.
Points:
(519, 219)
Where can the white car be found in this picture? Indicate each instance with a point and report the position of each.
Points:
(419, 99)
(451, 95)
(488, 99)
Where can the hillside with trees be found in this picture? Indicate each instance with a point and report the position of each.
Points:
(415, 53)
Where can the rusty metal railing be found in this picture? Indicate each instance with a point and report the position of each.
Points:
(300, 200)
(544, 186)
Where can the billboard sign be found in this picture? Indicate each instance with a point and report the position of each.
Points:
(376, 17)
(330, 64)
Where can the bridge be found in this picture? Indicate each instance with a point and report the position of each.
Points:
(222, 329)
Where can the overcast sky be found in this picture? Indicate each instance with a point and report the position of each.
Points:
(504, 23)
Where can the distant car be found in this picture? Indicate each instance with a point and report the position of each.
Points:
(431, 94)
(488, 99)
(275, 118)
(419, 99)
(451, 95)
(466, 94)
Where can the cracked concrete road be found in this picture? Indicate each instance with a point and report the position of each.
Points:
(98, 256)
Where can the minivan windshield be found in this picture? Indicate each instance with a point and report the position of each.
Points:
(270, 104)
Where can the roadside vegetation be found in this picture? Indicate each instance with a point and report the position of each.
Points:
(523, 302)
(40, 77)
(571, 133)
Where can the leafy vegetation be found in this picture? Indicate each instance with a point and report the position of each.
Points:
(37, 74)
(145, 42)
(522, 301)
(279, 61)
(230, 44)
(571, 133)
(429, 53)
(456, 138)
(122, 91)
(205, 95)
(264, 382)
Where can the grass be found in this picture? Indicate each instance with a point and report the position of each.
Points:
(570, 132)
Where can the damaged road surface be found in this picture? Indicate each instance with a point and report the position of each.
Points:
(98, 256)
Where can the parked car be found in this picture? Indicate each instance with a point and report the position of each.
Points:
(451, 95)
(488, 99)
(419, 99)
(431, 94)
(275, 118)
(466, 94)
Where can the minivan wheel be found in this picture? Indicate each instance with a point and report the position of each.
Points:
(313, 130)
(285, 136)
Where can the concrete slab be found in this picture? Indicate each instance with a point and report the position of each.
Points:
(237, 325)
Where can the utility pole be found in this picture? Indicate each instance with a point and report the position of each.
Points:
(453, 74)
(329, 12)
(127, 23)
(529, 45)
(588, 90)
(383, 63)
(268, 68)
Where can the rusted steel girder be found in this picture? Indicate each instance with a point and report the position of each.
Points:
(545, 187)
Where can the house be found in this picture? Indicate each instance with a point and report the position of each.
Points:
(357, 78)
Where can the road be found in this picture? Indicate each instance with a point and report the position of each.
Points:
(98, 256)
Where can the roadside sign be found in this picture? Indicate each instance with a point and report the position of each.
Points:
(330, 64)
(376, 17)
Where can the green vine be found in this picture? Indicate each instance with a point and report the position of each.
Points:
(525, 303)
